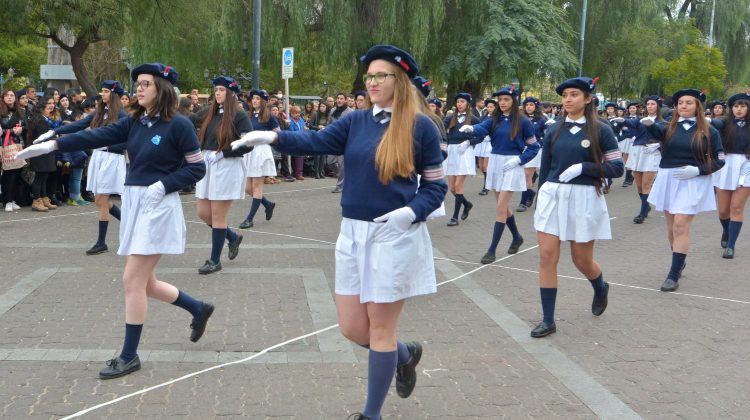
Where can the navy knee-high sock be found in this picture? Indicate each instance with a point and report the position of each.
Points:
(265, 201)
(380, 370)
(231, 236)
(457, 206)
(130, 346)
(511, 222)
(734, 232)
(678, 260)
(254, 208)
(218, 235)
(497, 233)
(549, 297)
(115, 212)
(724, 226)
(644, 205)
(102, 239)
(484, 185)
(524, 196)
(403, 352)
(189, 303)
(598, 285)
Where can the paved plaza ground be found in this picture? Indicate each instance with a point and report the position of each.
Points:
(651, 355)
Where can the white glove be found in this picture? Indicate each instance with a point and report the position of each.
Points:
(686, 172)
(651, 148)
(466, 128)
(512, 163)
(44, 137)
(36, 150)
(255, 138)
(572, 172)
(463, 146)
(154, 194)
(708, 120)
(396, 224)
(212, 158)
(550, 122)
(618, 120)
(648, 121)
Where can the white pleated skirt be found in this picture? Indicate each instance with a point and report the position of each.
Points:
(383, 272)
(458, 163)
(500, 180)
(438, 212)
(744, 180)
(572, 212)
(728, 177)
(224, 179)
(626, 145)
(536, 162)
(149, 229)
(682, 196)
(640, 161)
(259, 162)
(484, 148)
(106, 173)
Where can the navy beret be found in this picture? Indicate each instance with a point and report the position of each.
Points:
(423, 85)
(635, 104)
(435, 101)
(167, 73)
(531, 99)
(621, 108)
(490, 101)
(654, 98)
(508, 91)
(744, 96)
(393, 54)
(714, 103)
(114, 86)
(463, 95)
(585, 84)
(20, 93)
(610, 104)
(228, 83)
(258, 92)
(695, 93)
(360, 93)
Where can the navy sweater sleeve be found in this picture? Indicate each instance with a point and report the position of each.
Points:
(183, 138)
(529, 138)
(544, 165)
(612, 164)
(329, 141)
(429, 164)
(108, 135)
(76, 126)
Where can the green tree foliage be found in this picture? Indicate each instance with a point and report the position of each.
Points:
(24, 54)
(700, 67)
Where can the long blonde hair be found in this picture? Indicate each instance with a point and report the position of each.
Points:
(395, 154)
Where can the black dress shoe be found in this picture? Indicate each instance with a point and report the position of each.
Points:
(199, 324)
(515, 245)
(234, 247)
(358, 416)
(639, 219)
(728, 253)
(484, 191)
(118, 367)
(530, 199)
(488, 258)
(406, 374)
(543, 329)
(246, 224)
(269, 211)
(521, 208)
(669, 285)
(598, 305)
(453, 222)
(210, 267)
(97, 249)
(467, 208)
(724, 239)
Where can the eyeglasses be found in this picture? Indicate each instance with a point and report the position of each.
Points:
(377, 77)
(143, 84)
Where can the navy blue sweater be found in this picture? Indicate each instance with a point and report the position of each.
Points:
(569, 149)
(539, 128)
(741, 142)
(84, 123)
(269, 125)
(524, 145)
(457, 137)
(167, 151)
(642, 135)
(678, 151)
(357, 136)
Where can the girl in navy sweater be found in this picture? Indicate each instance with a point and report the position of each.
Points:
(513, 145)
(483, 150)
(106, 171)
(222, 123)
(691, 150)
(580, 151)
(732, 182)
(383, 253)
(259, 163)
(534, 113)
(165, 157)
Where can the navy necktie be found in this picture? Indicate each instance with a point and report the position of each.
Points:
(571, 124)
(382, 116)
(740, 122)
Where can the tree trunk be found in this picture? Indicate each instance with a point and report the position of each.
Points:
(79, 68)
(359, 84)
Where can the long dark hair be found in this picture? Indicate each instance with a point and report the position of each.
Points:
(591, 131)
(469, 116)
(537, 111)
(112, 109)
(165, 105)
(731, 130)
(702, 134)
(264, 113)
(515, 118)
(225, 132)
(659, 117)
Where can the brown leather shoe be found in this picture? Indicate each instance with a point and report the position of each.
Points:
(38, 205)
(48, 204)
(300, 178)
